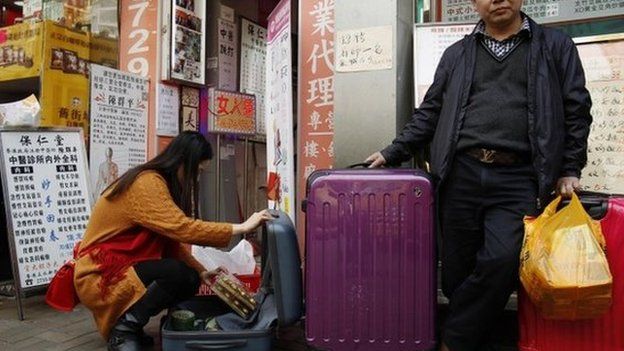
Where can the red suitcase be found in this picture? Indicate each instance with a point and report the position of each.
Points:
(602, 334)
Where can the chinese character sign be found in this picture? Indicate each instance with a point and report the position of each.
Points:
(429, 45)
(118, 124)
(47, 199)
(228, 55)
(279, 112)
(604, 68)
(189, 117)
(230, 112)
(542, 11)
(253, 66)
(316, 95)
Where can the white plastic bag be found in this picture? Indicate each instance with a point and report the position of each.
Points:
(23, 113)
(239, 260)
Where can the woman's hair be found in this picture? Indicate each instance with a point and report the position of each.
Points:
(185, 151)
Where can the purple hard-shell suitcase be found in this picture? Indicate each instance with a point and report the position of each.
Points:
(370, 260)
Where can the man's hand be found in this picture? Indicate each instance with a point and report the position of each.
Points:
(376, 160)
(567, 185)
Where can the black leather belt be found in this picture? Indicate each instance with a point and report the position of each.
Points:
(497, 157)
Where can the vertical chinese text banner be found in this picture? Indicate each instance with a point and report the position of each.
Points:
(279, 112)
(316, 93)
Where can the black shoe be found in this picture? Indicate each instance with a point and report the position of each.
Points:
(146, 340)
(125, 336)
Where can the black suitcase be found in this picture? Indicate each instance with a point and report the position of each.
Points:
(281, 277)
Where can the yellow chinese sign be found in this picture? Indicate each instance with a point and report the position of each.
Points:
(231, 112)
(20, 51)
(65, 80)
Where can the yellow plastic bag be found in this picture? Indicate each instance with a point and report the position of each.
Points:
(563, 265)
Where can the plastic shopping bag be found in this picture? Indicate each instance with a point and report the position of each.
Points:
(239, 260)
(563, 264)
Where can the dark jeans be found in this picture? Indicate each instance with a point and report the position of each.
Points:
(481, 212)
(175, 277)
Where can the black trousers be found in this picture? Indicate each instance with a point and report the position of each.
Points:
(180, 281)
(481, 211)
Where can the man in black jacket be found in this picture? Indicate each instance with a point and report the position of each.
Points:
(507, 119)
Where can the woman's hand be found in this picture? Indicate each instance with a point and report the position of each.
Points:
(208, 276)
(253, 222)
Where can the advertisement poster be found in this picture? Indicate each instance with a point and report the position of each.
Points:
(228, 58)
(168, 123)
(47, 195)
(65, 81)
(542, 11)
(20, 51)
(316, 94)
(253, 67)
(119, 103)
(279, 112)
(188, 41)
(231, 112)
(603, 63)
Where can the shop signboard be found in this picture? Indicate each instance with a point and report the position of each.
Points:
(46, 197)
(253, 66)
(231, 112)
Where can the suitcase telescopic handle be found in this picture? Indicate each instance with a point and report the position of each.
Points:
(215, 345)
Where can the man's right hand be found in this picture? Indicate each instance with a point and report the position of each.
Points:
(376, 160)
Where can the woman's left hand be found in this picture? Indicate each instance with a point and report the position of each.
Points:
(207, 276)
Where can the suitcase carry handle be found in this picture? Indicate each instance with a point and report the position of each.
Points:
(361, 164)
(215, 345)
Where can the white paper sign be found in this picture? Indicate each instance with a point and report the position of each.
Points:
(366, 49)
(168, 118)
(228, 57)
(253, 67)
(46, 194)
(119, 103)
(429, 45)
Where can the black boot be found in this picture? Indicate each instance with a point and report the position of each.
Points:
(127, 334)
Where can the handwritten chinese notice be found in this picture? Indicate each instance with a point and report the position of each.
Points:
(253, 67)
(230, 112)
(118, 124)
(604, 69)
(47, 198)
(366, 49)
(279, 111)
(429, 45)
(542, 11)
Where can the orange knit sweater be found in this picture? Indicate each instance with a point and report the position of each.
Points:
(148, 204)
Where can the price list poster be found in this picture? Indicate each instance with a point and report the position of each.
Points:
(46, 197)
(603, 63)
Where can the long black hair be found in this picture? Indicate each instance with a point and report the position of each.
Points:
(187, 151)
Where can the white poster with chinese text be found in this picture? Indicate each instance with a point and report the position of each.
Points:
(279, 112)
(168, 118)
(430, 42)
(46, 194)
(119, 103)
(253, 67)
(228, 57)
(365, 49)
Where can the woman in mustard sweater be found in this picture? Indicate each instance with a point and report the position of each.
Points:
(131, 264)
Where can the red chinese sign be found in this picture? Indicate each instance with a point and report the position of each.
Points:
(316, 93)
(230, 112)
